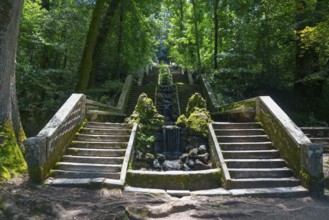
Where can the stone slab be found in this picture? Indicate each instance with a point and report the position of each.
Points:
(84, 182)
(297, 191)
(179, 193)
(212, 192)
(144, 190)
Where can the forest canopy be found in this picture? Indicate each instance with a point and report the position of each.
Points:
(246, 49)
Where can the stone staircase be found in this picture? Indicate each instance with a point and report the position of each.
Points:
(251, 159)
(318, 135)
(149, 85)
(185, 91)
(97, 151)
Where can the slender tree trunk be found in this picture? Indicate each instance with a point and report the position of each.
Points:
(194, 3)
(101, 39)
(10, 14)
(86, 61)
(216, 22)
(120, 40)
(181, 12)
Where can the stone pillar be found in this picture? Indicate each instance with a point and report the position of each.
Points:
(312, 168)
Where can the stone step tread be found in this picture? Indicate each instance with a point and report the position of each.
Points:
(273, 191)
(102, 135)
(245, 143)
(252, 151)
(88, 164)
(101, 112)
(107, 124)
(68, 157)
(242, 136)
(259, 169)
(96, 150)
(293, 179)
(106, 130)
(91, 172)
(75, 142)
(238, 129)
(254, 160)
(237, 123)
(77, 174)
(85, 182)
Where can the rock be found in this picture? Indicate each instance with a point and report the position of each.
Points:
(201, 166)
(161, 158)
(191, 163)
(204, 158)
(171, 165)
(156, 164)
(202, 149)
(185, 167)
(189, 148)
(193, 153)
(149, 158)
(183, 158)
(138, 155)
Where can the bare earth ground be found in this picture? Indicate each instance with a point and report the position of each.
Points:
(20, 199)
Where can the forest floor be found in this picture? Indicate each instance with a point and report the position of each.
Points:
(21, 199)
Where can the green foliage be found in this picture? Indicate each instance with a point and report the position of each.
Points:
(165, 77)
(148, 118)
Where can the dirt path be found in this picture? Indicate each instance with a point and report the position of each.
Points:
(19, 199)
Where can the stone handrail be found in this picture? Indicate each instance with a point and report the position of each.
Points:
(217, 152)
(45, 149)
(212, 102)
(304, 157)
(123, 100)
(128, 154)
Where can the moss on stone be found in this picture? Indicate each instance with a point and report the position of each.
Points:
(198, 122)
(195, 101)
(12, 161)
(181, 121)
(165, 77)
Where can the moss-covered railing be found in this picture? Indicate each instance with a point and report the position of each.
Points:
(209, 94)
(304, 157)
(45, 149)
(123, 100)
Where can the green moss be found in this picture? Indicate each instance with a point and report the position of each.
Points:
(165, 77)
(186, 181)
(181, 121)
(11, 158)
(249, 103)
(198, 122)
(195, 101)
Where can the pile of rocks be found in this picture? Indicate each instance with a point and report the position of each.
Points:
(196, 158)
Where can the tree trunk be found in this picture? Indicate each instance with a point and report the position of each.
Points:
(216, 33)
(10, 124)
(101, 39)
(86, 61)
(120, 40)
(194, 3)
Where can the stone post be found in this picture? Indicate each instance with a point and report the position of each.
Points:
(312, 168)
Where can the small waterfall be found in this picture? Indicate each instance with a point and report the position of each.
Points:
(171, 139)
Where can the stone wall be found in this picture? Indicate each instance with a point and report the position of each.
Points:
(45, 149)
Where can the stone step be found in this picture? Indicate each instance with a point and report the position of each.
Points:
(231, 125)
(263, 183)
(251, 154)
(102, 138)
(106, 125)
(284, 192)
(243, 138)
(240, 173)
(99, 145)
(84, 174)
(96, 152)
(232, 132)
(267, 145)
(95, 183)
(88, 167)
(90, 159)
(255, 163)
(96, 131)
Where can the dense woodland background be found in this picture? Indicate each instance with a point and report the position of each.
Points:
(247, 48)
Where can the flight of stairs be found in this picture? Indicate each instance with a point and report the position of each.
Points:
(251, 159)
(149, 85)
(184, 93)
(97, 151)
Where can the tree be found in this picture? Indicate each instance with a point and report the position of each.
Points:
(86, 61)
(11, 131)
